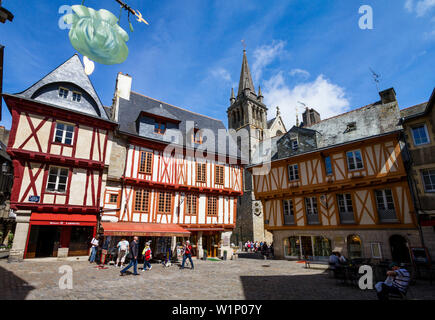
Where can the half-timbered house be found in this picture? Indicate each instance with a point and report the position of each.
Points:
(161, 195)
(340, 184)
(59, 145)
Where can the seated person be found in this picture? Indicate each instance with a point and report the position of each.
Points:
(334, 260)
(341, 258)
(397, 282)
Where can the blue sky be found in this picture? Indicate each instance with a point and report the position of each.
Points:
(190, 55)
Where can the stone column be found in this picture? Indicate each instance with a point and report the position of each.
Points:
(20, 237)
(200, 253)
(226, 244)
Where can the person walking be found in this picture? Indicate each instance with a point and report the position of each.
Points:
(123, 247)
(134, 251)
(187, 255)
(94, 248)
(146, 257)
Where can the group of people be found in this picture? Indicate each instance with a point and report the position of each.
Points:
(259, 246)
(131, 250)
(336, 259)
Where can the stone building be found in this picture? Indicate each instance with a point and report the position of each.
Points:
(341, 184)
(419, 127)
(7, 221)
(247, 116)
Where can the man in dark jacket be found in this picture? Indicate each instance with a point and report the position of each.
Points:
(134, 252)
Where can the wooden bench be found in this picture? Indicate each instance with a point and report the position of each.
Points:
(308, 263)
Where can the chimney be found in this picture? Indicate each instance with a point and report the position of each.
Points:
(310, 117)
(388, 96)
(122, 90)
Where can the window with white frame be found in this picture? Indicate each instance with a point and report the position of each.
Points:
(76, 96)
(385, 205)
(295, 145)
(420, 135)
(57, 179)
(354, 160)
(311, 210)
(345, 208)
(63, 92)
(64, 133)
(289, 215)
(428, 176)
(293, 172)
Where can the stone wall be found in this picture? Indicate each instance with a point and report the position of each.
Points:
(338, 239)
(429, 240)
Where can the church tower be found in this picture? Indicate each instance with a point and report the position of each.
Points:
(248, 112)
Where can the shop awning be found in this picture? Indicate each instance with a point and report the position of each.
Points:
(143, 229)
(62, 219)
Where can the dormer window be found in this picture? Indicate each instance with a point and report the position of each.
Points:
(295, 145)
(63, 92)
(76, 96)
(160, 127)
(197, 136)
(351, 126)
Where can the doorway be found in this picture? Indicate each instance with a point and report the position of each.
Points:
(47, 242)
(210, 243)
(307, 247)
(399, 249)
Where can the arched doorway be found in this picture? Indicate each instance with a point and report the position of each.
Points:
(399, 249)
(354, 246)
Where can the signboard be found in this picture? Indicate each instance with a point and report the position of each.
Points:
(34, 198)
(420, 255)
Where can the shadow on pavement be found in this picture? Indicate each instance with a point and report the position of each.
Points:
(13, 287)
(300, 287)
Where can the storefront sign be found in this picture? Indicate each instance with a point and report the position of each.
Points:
(34, 198)
(66, 223)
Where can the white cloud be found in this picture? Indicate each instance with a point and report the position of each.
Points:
(264, 55)
(301, 72)
(221, 73)
(424, 6)
(321, 94)
(421, 7)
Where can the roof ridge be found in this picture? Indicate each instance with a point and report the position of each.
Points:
(202, 115)
(342, 114)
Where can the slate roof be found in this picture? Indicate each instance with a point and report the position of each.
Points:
(71, 71)
(129, 111)
(270, 122)
(414, 110)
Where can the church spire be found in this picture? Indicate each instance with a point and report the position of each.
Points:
(232, 98)
(245, 77)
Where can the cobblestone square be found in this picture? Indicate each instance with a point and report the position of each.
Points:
(235, 279)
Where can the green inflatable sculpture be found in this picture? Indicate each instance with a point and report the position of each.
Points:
(97, 35)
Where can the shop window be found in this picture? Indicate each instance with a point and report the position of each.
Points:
(64, 133)
(354, 160)
(57, 179)
(141, 200)
(219, 174)
(145, 162)
(293, 247)
(322, 247)
(354, 247)
(201, 172)
(293, 172)
(165, 202)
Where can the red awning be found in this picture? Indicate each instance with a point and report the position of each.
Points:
(58, 219)
(143, 229)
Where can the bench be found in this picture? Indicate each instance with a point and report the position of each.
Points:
(308, 262)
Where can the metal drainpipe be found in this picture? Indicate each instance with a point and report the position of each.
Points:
(413, 188)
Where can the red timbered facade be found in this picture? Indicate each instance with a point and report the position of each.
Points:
(155, 188)
(59, 145)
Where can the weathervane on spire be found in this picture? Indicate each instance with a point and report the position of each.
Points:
(243, 44)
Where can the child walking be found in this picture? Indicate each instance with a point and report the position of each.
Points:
(147, 257)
